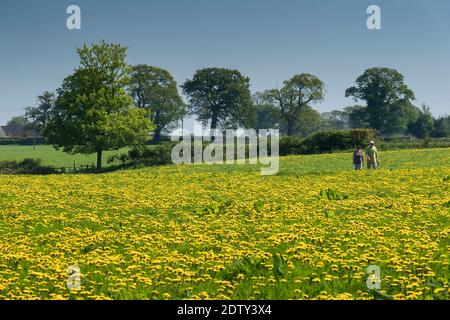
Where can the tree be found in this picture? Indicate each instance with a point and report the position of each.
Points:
(308, 122)
(384, 92)
(93, 111)
(156, 90)
(336, 120)
(220, 97)
(441, 127)
(399, 118)
(19, 122)
(424, 125)
(267, 116)
(296, 95)
(357, 116)
(40, 114)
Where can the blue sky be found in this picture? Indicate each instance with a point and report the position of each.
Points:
(269, 41)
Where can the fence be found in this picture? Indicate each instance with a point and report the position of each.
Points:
(75, 169)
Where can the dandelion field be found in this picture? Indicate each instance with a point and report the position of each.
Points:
(226, 232)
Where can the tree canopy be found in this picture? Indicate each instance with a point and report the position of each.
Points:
(220, 97)
(293, 100)
(423, 126)
(156, 90)
(93, 111)
(19, 121)
(40, 114)
(388, 99)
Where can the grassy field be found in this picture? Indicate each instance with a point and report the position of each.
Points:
(49, 155)
(226, 232)
(320, 164)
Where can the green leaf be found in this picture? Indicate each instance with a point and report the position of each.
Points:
(381, 296)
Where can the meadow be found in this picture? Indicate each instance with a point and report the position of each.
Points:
(226, 232)
(49, 155)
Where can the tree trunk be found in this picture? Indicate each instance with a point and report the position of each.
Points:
(99, 159)
(213, 127)
(34, 137)
(290, 127)
(157, 135)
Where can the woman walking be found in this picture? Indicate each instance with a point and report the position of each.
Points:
(358, 158)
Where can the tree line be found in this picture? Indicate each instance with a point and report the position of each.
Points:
(106, 104)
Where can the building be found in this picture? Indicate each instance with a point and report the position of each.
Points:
(2, 133)
(16, 132)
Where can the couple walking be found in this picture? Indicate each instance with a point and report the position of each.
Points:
(371, 154)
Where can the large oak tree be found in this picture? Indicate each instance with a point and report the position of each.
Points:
(294, 99)
(155, 89)
(388, 99)
(220, 97)
(93, 111)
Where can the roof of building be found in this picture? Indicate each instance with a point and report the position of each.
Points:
(15, 132)
(2, 133)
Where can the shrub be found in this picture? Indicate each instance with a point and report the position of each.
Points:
(329, 141)
(291, 146)
(148, 155)
(318, 143)
(412, 143)
(21, 141)
(26, 166)
(160, 154)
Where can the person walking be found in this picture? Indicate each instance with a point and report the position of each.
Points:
(372, 156)
(358, 158)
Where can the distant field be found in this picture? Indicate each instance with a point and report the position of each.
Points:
(49, 156)
(322, 164)
(226, 232)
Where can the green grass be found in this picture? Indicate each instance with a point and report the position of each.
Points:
(49, 155)
(328, 164)
(292, 165)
